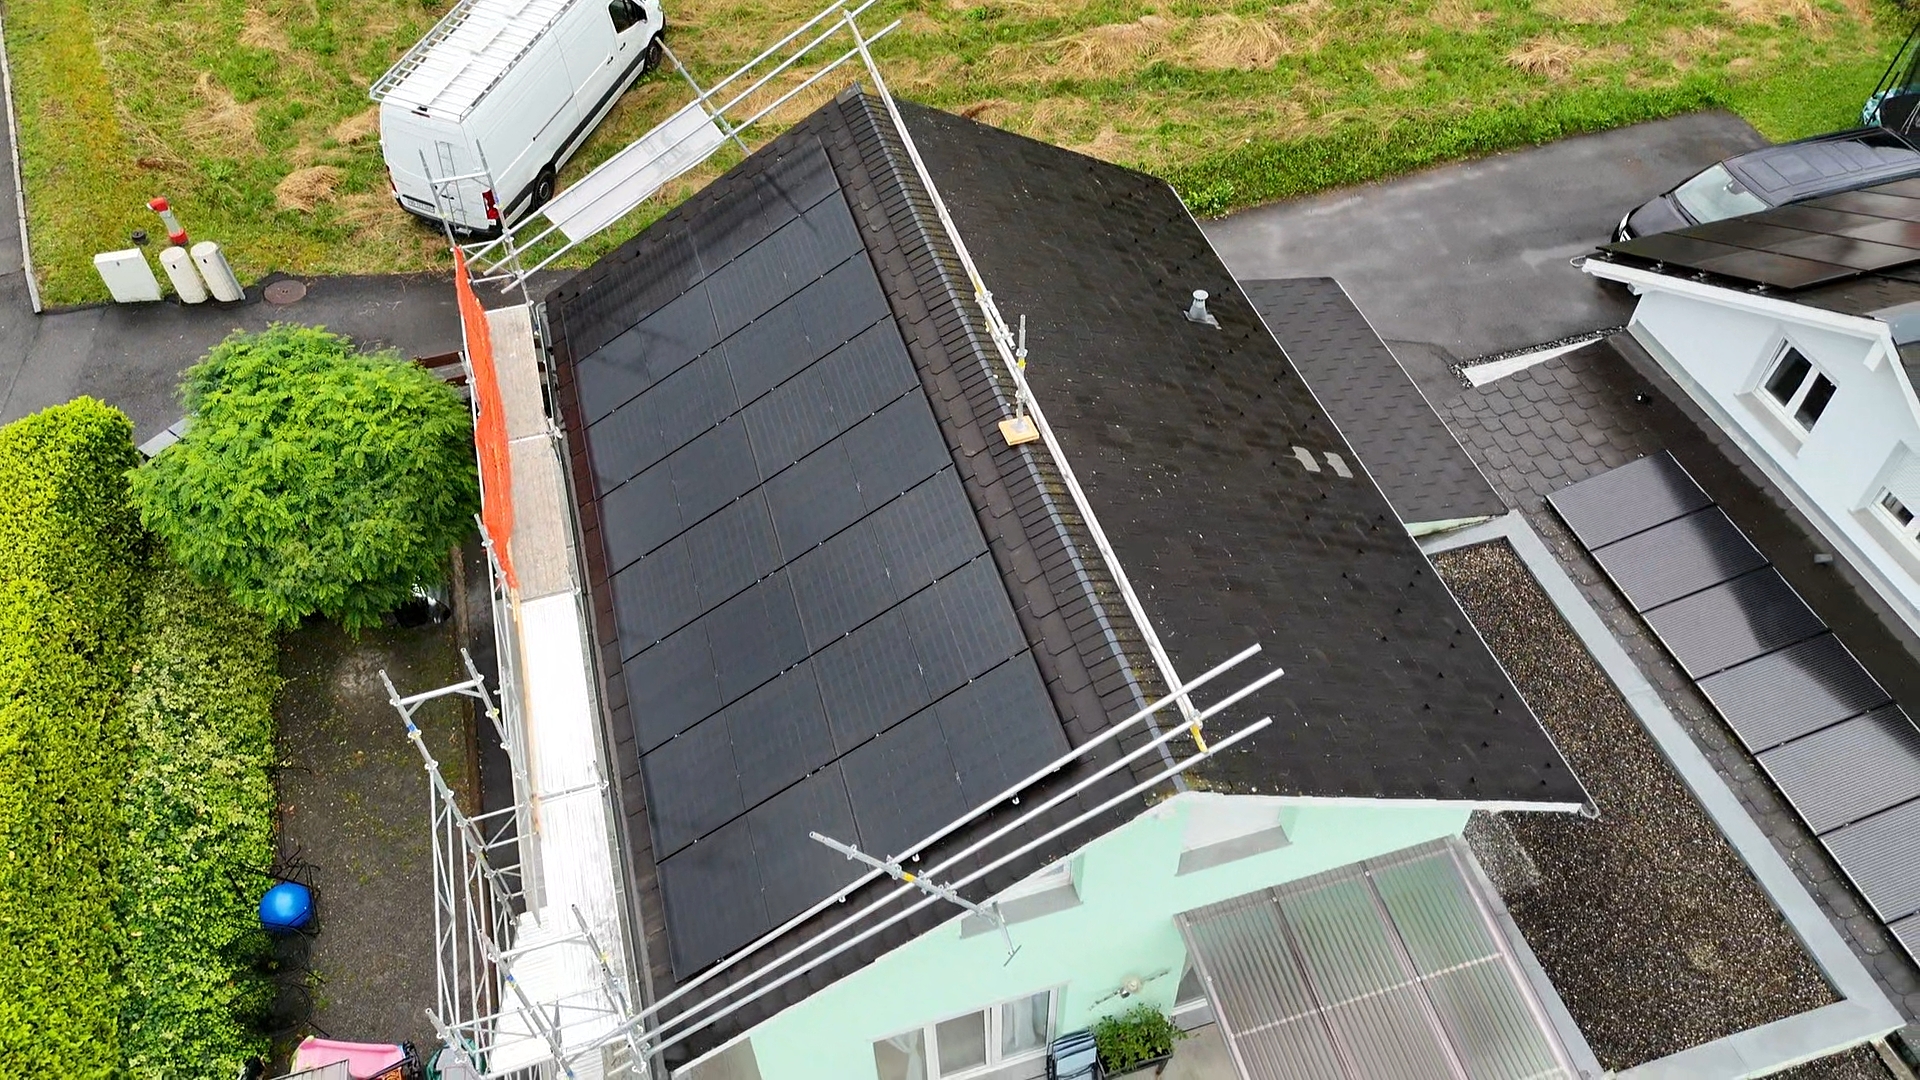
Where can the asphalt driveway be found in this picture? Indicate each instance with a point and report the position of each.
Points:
(1467, 260)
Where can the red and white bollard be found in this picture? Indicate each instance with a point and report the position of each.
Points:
(175, 233)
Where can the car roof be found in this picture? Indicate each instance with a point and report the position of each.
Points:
(1824, 165)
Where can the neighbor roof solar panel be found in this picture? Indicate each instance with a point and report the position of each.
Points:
(1632, 498)
(1907, 932)
(1881, 859)
(1747, 617)
(1793, 692)
(798, 576)
(1683, 556)
(1851, 770)
(1797, 245)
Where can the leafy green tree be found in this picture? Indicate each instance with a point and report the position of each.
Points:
(314, 478)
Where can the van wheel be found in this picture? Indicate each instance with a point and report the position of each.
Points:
(542, 188)
(650, 59)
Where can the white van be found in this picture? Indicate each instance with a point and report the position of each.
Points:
(510, 88)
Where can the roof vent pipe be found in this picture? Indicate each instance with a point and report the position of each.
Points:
(1197, 311)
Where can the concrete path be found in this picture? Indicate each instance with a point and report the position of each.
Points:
(1466, 260)
(131, 356)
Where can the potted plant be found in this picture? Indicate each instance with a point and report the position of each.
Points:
(1142, 1036)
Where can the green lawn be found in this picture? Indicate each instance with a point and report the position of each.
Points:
(252, 114)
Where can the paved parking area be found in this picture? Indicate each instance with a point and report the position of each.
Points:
(1467, 260)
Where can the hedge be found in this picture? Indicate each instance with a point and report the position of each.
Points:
(199, 825)
(70, 568)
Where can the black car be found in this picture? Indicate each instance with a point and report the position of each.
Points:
(1775, 175)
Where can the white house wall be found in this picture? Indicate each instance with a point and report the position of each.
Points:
(1720, 346)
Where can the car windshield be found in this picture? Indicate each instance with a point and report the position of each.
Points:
(1715, 195)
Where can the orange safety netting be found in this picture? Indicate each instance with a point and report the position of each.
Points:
(490, 429)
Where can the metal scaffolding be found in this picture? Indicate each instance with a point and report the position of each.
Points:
(486, 933)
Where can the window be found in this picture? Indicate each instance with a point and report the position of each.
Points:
(971, 1044)
(1221, 829)
(1715, 195)
(736, 1062)
(1898, 515)
(1896, 509)
(1050, 890)
(1800, 389)
(626, 15)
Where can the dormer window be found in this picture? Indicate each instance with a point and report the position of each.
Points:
(1801, 390)
(1899, 515)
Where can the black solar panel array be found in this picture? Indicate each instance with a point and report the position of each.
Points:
(812, 633)
(1829, 737)
(1800, 244)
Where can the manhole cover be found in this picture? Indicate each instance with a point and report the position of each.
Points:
(285, 291)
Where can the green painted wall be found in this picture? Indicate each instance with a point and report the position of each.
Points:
(1123, 926)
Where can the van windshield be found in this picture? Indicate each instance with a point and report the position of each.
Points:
(1715, 195)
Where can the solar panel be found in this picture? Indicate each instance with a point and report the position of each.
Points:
(928, 531)
(989, 729)
(838, 391)
(1747, 617)
(638, 516)
(712, 471)
(1878, 202)
(795, 872)
(841, 584)
(1775, 269)
(732, 549)
(1683, 249)
(1898, 233)
(1879, 856)
(870, 680)
(657, 595)
(1797, 245)
(903, 785)
(1907, 932)
(1851, 770)
(963, 625)
(815, 498)
(1682, 556)
(817, 320)
(895, 449)
(1847, 251)
(1792, 692)
(798, 252)
(691, 790)
(779, 734)
(756, 636)
(713, 898)
(671, 686)
(1632, 498)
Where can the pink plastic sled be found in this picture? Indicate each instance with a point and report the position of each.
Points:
(364, 1061)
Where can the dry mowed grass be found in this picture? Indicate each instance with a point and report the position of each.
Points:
(252, 114)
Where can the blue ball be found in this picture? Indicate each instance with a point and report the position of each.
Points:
(286, 906)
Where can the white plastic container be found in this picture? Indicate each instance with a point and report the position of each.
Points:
(128, 276)
(213, 266)
(186, 280)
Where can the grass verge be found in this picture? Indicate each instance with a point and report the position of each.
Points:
(251, 114)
